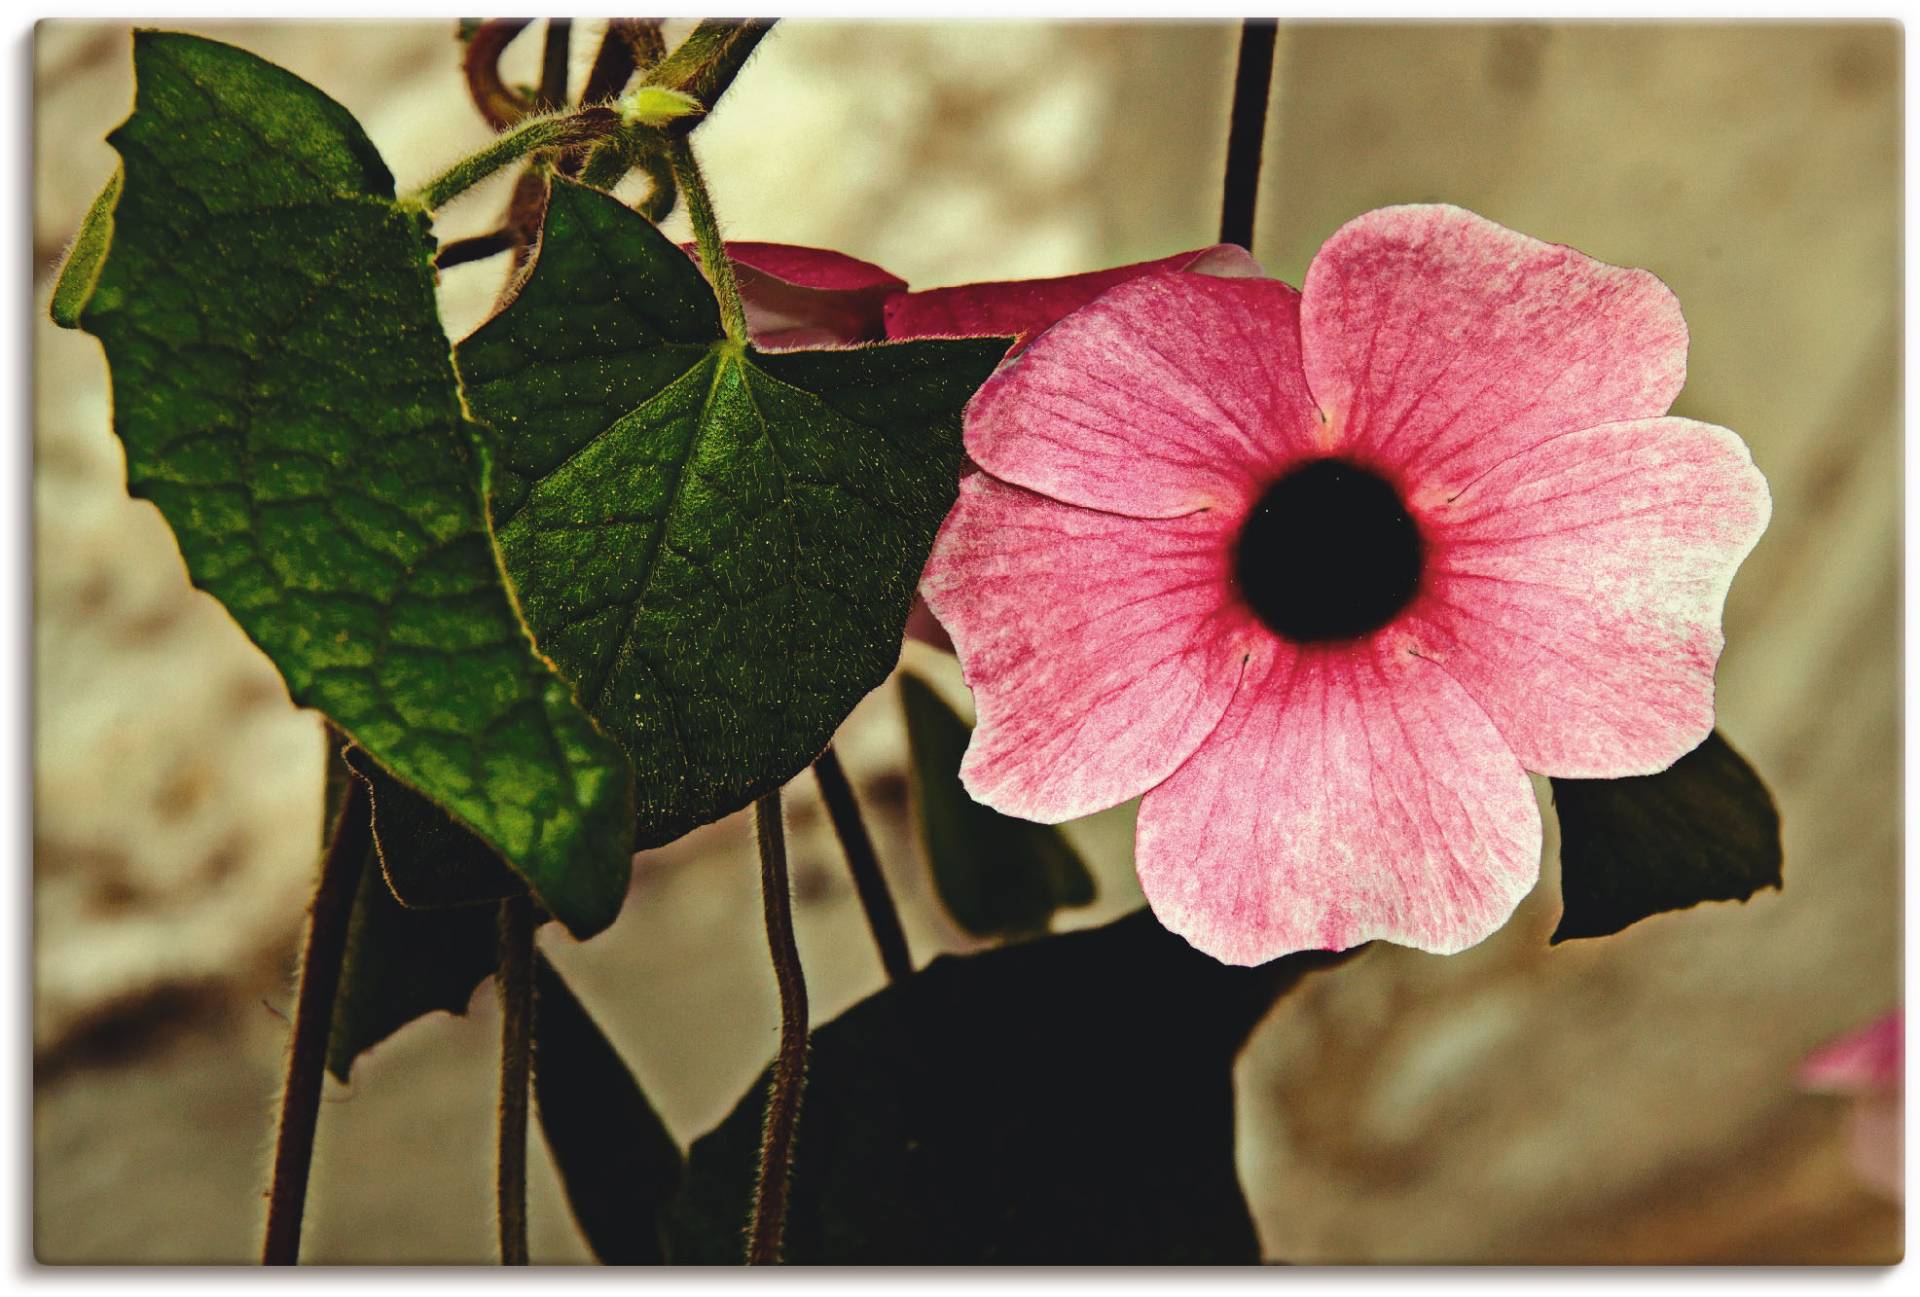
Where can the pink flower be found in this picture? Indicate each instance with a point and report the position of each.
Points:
(809, 297)
(1025, 307)
(1868, 1064)
(1322, 574)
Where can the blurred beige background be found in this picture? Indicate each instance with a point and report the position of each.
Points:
(1621, 1100)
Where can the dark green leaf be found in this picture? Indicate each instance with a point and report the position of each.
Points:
(403, 964)
(718, 545)
(428, 860)
(287, 400)
(89, 250)
(1704, 830)
(1065, 1100)
(617, 1163)
(996, 875)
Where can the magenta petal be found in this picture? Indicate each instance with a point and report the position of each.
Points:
(1576, 591)
(1442, 343)
(1169, 394)
(1100, 649)
(1349, 794)
(1867, 1060)
(1024, 307)
(809, 297)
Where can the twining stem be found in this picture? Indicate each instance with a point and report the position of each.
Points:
(557, 131)
(844, 810)
(1252, 81)
(320, 962)
(706, 62)
(477, 248)
(497, 102)
(706, 236)
(765, 1233)
(554, 52)
(516, 1057)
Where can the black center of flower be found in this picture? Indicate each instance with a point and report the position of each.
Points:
(1330, 552)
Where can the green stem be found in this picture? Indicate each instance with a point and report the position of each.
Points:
(516, 1055)
(558, 131)
(883, 918)
(313, 1021)
(706, 235)
(766, 1233)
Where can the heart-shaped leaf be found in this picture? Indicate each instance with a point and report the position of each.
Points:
(1703, 830)
(428, 860)
(403, 964)
(997, 876)
(287, 399)
(719, 546)
(1064, 1100)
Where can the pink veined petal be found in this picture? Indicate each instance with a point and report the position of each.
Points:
(1440, 342)
(1351, 793)
(1169, 394)
(809, 297)
(1869, 1060)
(1575, 590)
(1025, 307)
(1100, 649)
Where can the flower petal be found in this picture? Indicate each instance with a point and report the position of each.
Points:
(1575, 590)
(1024, 307)
(1442, 343)
(1350, 793)
(1866, 1060)
(1170, 393)
(809, 297)
(1100, 649)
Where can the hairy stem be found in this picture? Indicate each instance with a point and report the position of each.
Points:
(558, 131)
(706, 62)
(320, 964)
(516, 1056)
(868, 880)
(1252, 81)
(765, 1233)
(706, 235)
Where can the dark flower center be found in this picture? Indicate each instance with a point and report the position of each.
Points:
(1330, 552)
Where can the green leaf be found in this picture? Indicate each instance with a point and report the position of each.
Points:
(718, 545)
(1704, 830)
(1065, 1100)
(89, 250)
(403, 964)
(429, 861)
(617, 1163)
(997, 876)
(288, 401)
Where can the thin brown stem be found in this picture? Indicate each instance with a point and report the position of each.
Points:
(320, 963)
(477, 248)
(555, 58)
(868, 880)
(516, 1057)
(497, 102)
(766, 1233)
(1246, 127)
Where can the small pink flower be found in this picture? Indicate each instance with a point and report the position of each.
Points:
(1025, 307)
(809, 297)
(1322, 574)
(1869, 1065)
